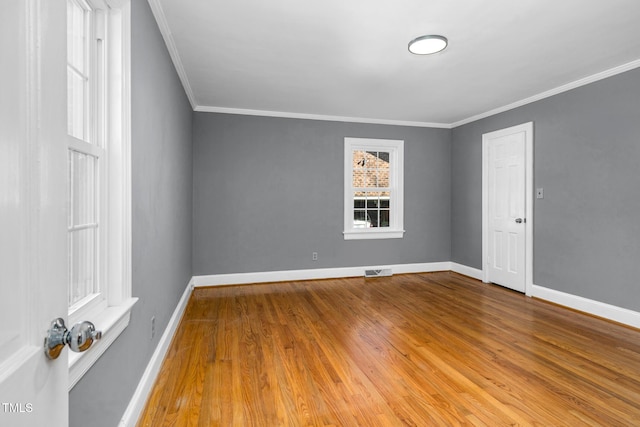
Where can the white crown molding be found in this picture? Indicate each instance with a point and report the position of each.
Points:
(560, 89)
(265, 113)
(158, 13)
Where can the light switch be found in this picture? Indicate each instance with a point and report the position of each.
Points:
(539, 193)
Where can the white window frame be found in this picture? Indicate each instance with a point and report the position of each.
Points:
(110, 310)
(93, 145)
(395, 148)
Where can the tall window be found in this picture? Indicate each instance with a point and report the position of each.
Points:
(87, 152)
(373, 188)
(99, 210)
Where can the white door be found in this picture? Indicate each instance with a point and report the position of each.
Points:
(506, 221)
(33, 263)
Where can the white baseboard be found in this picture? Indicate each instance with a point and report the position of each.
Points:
(467, 271)
(140, 396)
(313, 274)
(596, 308)
(585, 305)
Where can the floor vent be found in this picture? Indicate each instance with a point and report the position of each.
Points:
(378, 273)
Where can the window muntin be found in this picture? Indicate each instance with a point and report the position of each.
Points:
(373, 188)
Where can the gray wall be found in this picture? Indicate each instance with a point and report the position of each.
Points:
(161, 180)
(587, 158)
(269, 191)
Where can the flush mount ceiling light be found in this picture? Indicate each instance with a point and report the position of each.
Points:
(426, 45)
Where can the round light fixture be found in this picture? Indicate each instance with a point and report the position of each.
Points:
(426, 45)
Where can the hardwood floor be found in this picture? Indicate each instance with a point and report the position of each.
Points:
(434, 349)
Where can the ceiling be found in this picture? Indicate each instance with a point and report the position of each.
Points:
(348, 59)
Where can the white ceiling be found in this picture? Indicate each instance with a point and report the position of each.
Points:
(348, 59)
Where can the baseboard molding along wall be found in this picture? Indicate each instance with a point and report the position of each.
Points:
(136, 406)
(585, 305)
(140, 396)
(596, 308)
(467, 271)
(321, 273)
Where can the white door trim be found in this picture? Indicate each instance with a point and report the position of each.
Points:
(529, 194)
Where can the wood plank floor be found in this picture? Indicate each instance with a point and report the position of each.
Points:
(434, 349)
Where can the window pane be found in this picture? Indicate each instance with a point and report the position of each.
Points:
(360, 219)
(359, 203)
(383, 178)
(370, 178)
(384, 218)
(77, 33)
(82, 269)
(358, 169)
(76, 104)
(383, 160)
(83, 190)
(382, 164)
(372, 215)
(77, 71)
(357, 178)
(372, 203)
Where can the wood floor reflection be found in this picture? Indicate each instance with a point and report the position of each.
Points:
(434, 349)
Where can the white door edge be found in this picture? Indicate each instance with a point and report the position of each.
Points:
(529, 200)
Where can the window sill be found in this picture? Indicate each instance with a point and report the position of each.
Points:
(112, 321)
(372, 234)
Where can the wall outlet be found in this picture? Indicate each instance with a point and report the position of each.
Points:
(314, 256)
(540, 193)
(153, 327)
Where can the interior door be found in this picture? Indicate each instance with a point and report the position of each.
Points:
(506, 151)
(33, 263)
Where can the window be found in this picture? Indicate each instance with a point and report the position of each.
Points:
(373, 188)
(87, 156)
(99, 236)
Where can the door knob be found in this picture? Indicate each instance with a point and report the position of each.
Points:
(79, 338)
(519, 220)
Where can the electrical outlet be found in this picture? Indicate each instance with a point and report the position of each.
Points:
(153, 327)
(540, 193)
(314, 256)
